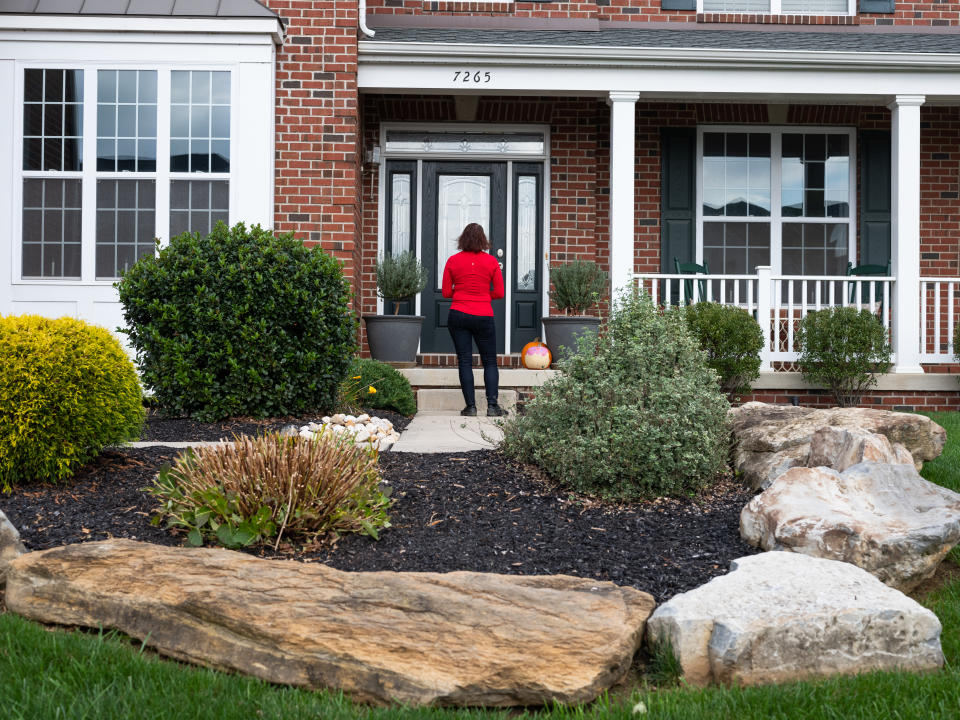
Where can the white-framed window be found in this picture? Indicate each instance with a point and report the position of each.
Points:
(114, 157)
(783, 197)
(779, 7)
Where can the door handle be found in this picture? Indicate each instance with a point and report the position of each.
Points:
(501, 265)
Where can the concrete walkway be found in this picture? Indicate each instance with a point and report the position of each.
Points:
(430, 432)
(443, 431)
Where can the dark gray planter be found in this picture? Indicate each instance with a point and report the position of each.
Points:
(394, 338)
(562, 331)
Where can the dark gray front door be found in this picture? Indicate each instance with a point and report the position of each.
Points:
(454, 195)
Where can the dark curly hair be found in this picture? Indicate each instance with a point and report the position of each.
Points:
(473, 239)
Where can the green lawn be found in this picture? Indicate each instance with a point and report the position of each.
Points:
(51, 674)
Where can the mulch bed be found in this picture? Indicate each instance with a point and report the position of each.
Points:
(452, 511)
(162, 428)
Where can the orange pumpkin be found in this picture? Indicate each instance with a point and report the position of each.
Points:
(535, 355)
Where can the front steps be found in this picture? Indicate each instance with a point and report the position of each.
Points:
(438, 389)
(451, 400)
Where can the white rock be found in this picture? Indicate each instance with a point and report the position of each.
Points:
(839, 448)
(362, 419)
(306, 434)
(339, 418)
(883, 518)
(362, 436)
(325, 420)
(338, 429)
(778, 617)
(385, 444)
(314, 427)
(371, 428)
(10, 546)
(364, 445)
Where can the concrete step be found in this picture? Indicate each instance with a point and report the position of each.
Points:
(451, 399)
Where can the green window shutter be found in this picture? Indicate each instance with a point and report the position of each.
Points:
(678, 4)
(678, 215)
(875, 197)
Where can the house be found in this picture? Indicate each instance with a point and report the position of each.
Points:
(777, 141)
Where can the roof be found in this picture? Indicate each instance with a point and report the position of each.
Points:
(140, 8)
(835, 41)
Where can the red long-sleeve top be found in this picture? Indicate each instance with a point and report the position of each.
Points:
(467, 278)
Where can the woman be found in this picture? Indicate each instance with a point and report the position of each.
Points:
(467, 278)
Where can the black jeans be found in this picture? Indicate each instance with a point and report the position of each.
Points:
(465, 330)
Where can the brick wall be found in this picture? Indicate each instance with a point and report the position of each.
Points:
(317, 142)
(930, 14)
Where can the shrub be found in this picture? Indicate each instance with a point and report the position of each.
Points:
(67, 389)
(577, 286)
(843, 348)
(392, 390)
(241, 322)
(634, 413)
(732, 340)
(400, 276)
(258, 489)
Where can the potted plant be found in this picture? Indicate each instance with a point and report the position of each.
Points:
(576, 287)
(394, 338)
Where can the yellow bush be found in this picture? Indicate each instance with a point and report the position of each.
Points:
(67, 389)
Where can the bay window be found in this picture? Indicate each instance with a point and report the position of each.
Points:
(113, 158)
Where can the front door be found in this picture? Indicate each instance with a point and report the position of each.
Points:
(456, 194)
(506, 198)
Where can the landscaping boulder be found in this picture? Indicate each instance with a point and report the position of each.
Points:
(459, 638)
(779, 617)
(10, 546)
(883, 518)
(770, 439)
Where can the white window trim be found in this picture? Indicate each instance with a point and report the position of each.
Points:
(775, 219)
(775, 10)
(89, 175)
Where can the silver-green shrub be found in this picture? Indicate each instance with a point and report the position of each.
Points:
(634, 413)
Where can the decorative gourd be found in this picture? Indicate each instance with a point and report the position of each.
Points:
(535, 355)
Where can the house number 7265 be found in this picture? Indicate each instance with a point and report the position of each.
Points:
(465, 76)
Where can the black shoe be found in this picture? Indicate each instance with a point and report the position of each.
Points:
(469, 411)
(495, 411)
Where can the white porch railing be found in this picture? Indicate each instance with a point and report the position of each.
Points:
(778, 303)
(939, 313)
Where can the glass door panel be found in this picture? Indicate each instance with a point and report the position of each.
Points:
(461, 200)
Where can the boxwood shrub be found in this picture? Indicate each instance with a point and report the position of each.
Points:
(843, 349)
(732, 340)
(67, 389)
(241, 322)
(634, 413)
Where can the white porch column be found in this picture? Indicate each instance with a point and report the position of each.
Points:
(905, 230)
(622, 164)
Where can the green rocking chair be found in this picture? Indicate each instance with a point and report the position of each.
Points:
(692, 268)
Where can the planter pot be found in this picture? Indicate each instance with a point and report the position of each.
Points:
(394, 338)
(562, 331)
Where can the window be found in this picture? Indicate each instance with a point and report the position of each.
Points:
(779, 7)
(782, 198)
(101, 180)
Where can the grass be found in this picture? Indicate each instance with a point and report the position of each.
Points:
(53, 674)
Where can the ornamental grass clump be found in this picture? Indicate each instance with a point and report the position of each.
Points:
(67, 390)
(635, 413)
(732, 340)
(843, 349)
(263, 489)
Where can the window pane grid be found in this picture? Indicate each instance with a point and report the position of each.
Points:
(736, 174)
(200, 121)
(198, 205)
(126, 217)
(786, 7)
(53, 120)
(51, 228)
(127, 120)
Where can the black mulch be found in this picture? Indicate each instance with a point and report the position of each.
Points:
(161, 428)
(453, 511)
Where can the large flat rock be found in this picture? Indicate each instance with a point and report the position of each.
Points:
(10, 546)
(458, 638)
(771, 439)
(778, 617)
(883, 518)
